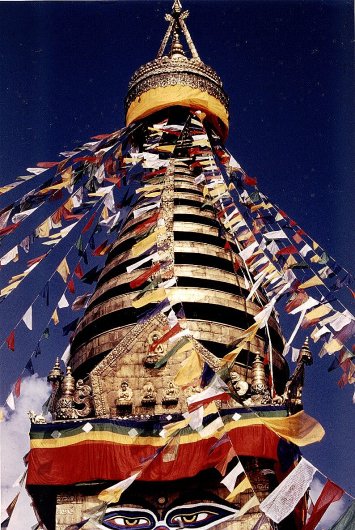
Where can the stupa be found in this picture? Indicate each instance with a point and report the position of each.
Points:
(176, 408)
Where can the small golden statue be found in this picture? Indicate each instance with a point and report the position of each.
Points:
(149, 398)
(171, 395)
(124, 398)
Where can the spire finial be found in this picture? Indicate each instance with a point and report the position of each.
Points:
(176, 26)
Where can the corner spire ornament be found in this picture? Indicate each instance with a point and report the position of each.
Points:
(177, 26)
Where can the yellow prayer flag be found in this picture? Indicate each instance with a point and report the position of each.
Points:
(243, 486)
(190, 369)
(256, 207)
(315, 245)
(290, 261)
(165, 148)
(311, 282)
(318, 312)
(218, 190)
(55, 317)
(247, 336)
(254, 501)
(63, 269)
(300, 428)
(113, 493)
(147, 242)
(104, 213)
(43, 229)
(332, 346)
(55, 187)
(233, 221)
(149, 188)
(315, 258)
(155, 295)
(7, 290)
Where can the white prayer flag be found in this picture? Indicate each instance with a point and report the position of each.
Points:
(230, 479)
(211, 428)
(311, 302)
(136, 265)
(275, 234)
(27, 318)
(9, 256)
(66, 355)
(63, 302)
(10, 401)
(280, 503)
(248, 251)
(295, 354)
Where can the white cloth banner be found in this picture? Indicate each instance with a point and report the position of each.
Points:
(27, 318)
(280, 503)
(276, 234)
(248, 251)
(230, 479)
(134, 266)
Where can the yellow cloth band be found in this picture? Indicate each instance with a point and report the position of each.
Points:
(160, 98)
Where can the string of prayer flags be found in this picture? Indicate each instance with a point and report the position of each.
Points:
(283, 499)
(240, 488)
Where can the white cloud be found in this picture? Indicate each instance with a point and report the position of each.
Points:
(14, 445)
(335, 510)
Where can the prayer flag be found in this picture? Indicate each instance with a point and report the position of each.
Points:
(217, 390)
(55, 317)
(12, 505)
(63, 269)
(291, 249)
(190, 369)
(17, 388)
(254, 501)
(113, 493)
(347, 520)
(29, 367)
(311, 282)
(10, 341)
(184, 344)
(70, 327)
(155, 295)
(27, 318)
(142, 278)
(81, 301)
(78, 271)
(280, 503)
(230, 479)
(71, 286)
(242, 486)
(329, 494)
(10, 401)
(88, 224)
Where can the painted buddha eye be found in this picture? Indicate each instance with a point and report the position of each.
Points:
(198, 515)
(123, 519)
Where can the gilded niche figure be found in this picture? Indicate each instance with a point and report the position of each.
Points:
(171, 394)
(154, 352)
(124, 397)
(149, 395)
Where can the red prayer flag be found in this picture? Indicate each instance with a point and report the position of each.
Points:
(249, 181)
(47, 165)
(101, 136)
(78, 271)
(71, 286)
(166, 336)
(98, 250)
(329, 494)
(35, 260)
(291, 249)
(17, 387)
(227, 246)
(144, 276)
(88, 224)
(8, 229)
(10, 341)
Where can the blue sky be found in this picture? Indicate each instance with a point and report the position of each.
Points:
(287, 67)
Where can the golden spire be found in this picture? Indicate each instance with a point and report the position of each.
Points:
(177, 26)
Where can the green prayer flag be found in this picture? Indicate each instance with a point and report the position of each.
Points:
(347, 520)
(171, 352)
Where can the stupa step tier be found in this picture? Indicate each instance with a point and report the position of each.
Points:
(212, 293)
